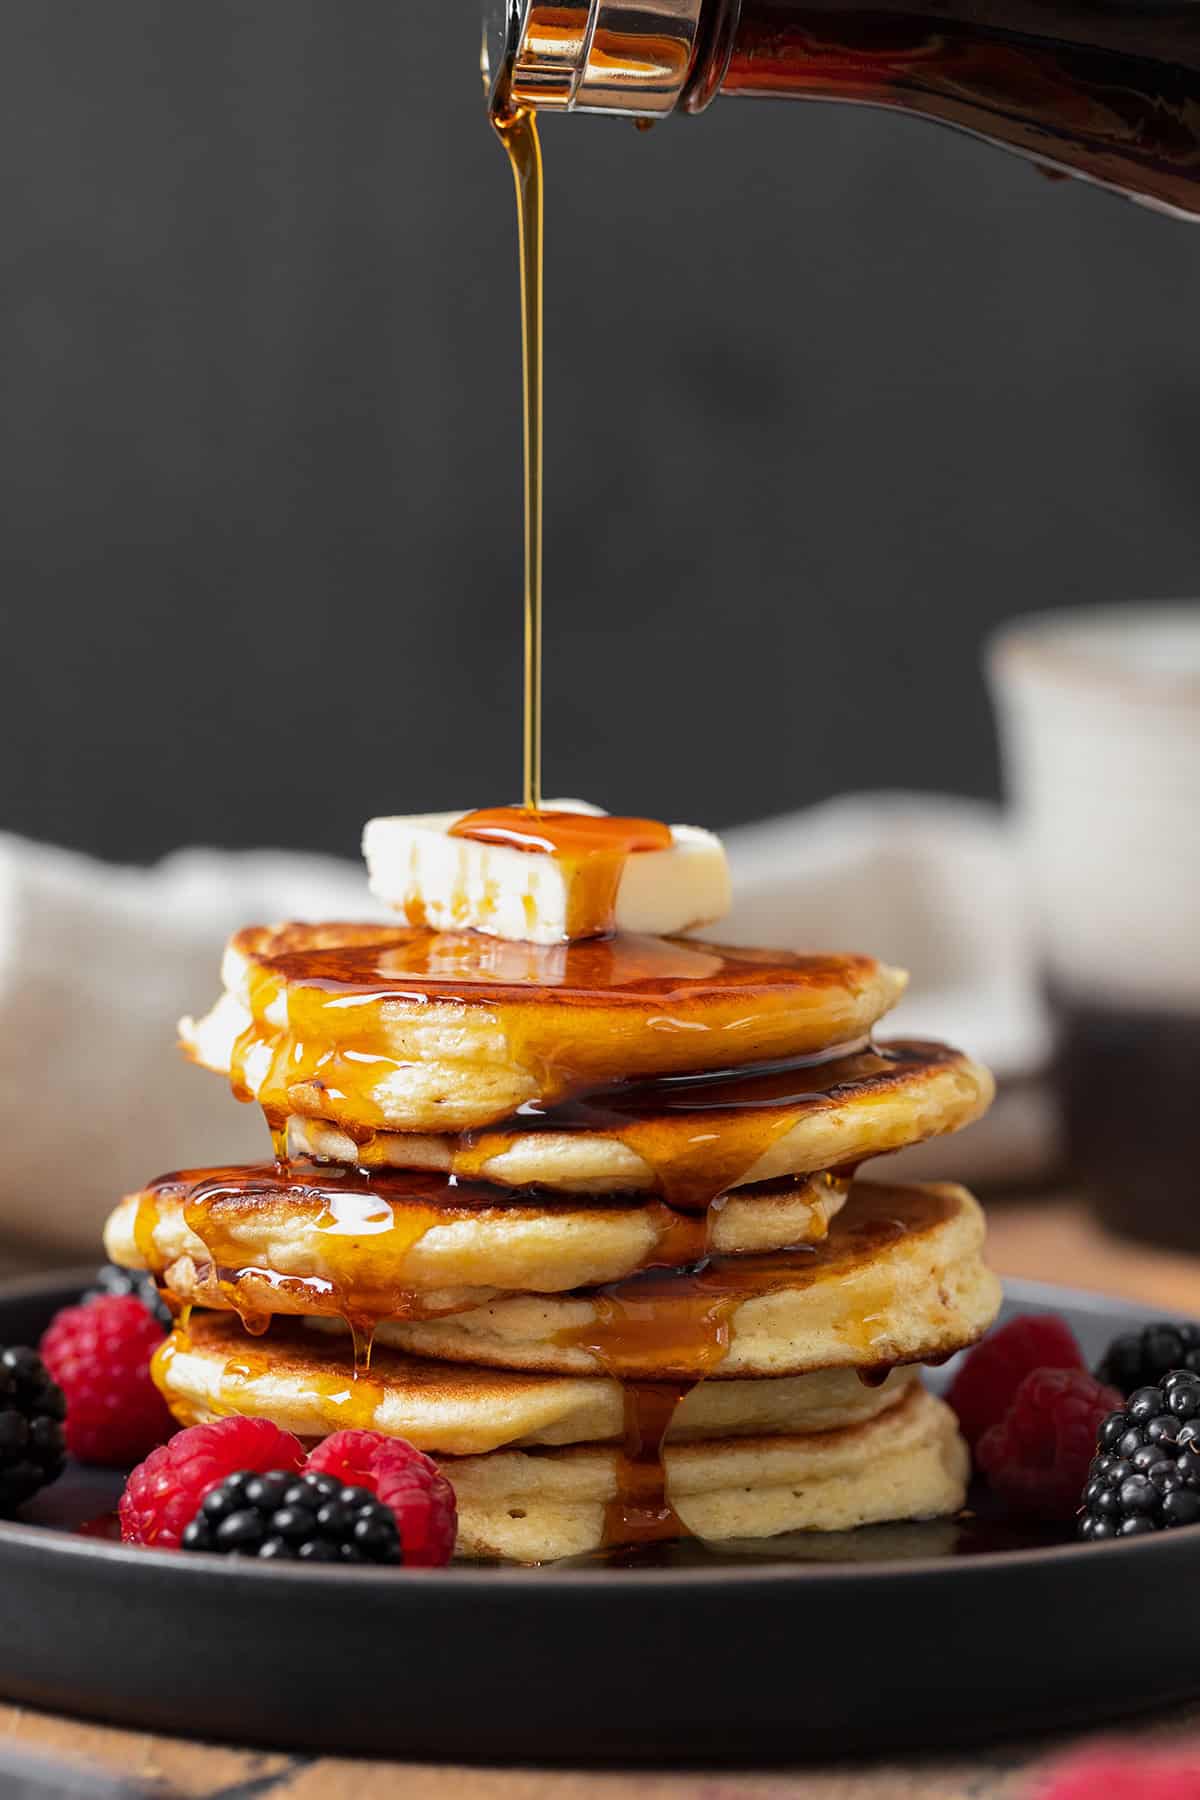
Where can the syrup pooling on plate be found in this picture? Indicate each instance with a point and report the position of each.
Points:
(592, 848)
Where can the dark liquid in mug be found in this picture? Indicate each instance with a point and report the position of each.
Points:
(1129, 1085)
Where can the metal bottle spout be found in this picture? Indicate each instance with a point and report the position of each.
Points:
(632, 58)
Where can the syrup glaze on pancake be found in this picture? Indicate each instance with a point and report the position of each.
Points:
(702, 1134)
(303, 1378)
(340, 1024)
(366, 1225)
(626, 971)
(328, 1239)
(691, 1139)
(681, 1320)
(889, 1280)
(899, 1278)
(368, 1228)
(353, 1023)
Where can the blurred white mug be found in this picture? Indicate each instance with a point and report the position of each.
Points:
(1099, 714)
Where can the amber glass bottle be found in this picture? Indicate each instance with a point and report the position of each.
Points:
(1105, 89)
(1109, 89)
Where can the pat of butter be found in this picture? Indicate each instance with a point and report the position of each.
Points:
(418, 866)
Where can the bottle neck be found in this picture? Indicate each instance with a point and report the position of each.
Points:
(715, 39)
(640, 58)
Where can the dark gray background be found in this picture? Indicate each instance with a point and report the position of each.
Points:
(829, 393)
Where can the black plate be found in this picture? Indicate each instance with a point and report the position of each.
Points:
(905, 1635)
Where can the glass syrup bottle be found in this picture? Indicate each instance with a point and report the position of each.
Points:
(1108, 90)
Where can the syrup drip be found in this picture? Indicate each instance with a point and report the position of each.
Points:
(702, 1135)
(668, 1320)
(591, 849)
(367, 1227)
(144, 1218)
(160, 1367)
(641, 1512)
(362, 1338)
(330, 1025)
(676, 1322)
(238, 1378)
(143, 1229)
(347, 1401)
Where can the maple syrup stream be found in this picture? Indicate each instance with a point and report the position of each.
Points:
(640, 1511)
(518, 132)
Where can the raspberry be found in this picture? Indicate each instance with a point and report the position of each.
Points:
(982, 1391)
(99, 1354)
(164, 1493)
(407, 1481)
(111, 1280)
(1037, 1458)
(1128, 1775)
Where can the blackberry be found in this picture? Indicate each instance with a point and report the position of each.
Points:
(1141, 1358)
(305, 1518)
(113, 1281)
(1145, 1475)
(32, 1439)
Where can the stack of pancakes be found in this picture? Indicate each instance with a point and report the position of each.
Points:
(581, 1221)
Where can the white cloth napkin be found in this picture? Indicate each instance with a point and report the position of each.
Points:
(935, 885)
(97, 963)
(96, 966)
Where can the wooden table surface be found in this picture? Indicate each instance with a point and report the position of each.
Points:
(1054, 1241)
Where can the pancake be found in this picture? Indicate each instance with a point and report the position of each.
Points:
(908, 1462)
(305, 1382)
(393, 1029)
(321, 1239)
(899, 1278)
(690, 1138)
